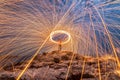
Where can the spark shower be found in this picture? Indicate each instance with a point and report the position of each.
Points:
(26, 25)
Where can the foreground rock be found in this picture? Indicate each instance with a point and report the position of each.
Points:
(63, 65)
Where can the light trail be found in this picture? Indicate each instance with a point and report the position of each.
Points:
(60, 32)
(18, 78)
(110, 39)
(83, 68)
(96, 44)
(70, 64)
(25, 28)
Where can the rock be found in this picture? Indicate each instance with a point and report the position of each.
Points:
(6, 77)
(56, 60)
(54, 66)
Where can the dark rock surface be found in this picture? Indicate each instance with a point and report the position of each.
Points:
(55, 66)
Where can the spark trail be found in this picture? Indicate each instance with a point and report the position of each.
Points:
(25, 27)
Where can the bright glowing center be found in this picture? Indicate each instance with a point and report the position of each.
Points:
(60, 37)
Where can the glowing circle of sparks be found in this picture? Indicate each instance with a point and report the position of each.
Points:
(60, 32)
